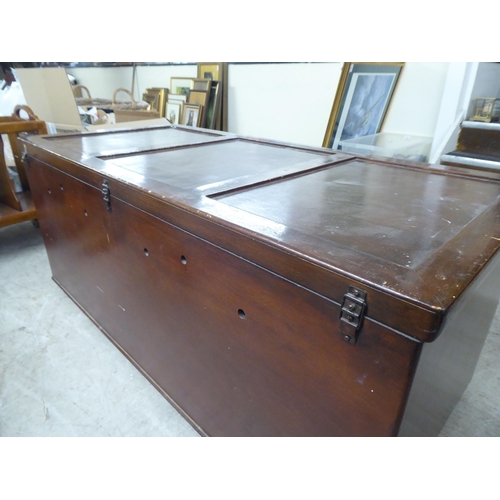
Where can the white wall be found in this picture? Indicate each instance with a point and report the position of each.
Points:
(416, 102)
(287, 102)
(455, 100)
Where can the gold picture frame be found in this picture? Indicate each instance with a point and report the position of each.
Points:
(352, 114)
(210, 70)
(162, 94)
(200, 97)
(152, 100)
(201, 84)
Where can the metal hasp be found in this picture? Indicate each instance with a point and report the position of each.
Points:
(106, 195)
(352, 313)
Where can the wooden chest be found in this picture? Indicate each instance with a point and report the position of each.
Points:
(270, 289)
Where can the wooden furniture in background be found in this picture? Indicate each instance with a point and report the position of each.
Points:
(16, 206)
(478, 147)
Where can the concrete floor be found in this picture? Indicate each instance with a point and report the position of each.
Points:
(60, 376)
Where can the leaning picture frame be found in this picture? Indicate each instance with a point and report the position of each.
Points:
(180, 85)
(201, 84)
(210, 70)
(173, 112)
(217, 71)
(362, 99)
(162, 94)
(212, 111)
(202, 98)
(191, 115)
(152, 100)
(177, 98)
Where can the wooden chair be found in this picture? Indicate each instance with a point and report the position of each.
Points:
(16, 206)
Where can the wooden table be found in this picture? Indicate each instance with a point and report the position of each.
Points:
(270, 289)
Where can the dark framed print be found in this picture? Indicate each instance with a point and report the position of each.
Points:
(363, 96)
(213, 107)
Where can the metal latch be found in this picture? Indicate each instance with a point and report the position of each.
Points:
(106, 194)
(352, 313)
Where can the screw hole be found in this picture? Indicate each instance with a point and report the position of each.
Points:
(183, 260)
(62, 187)
(85, 212)
(241, 313)
(146, 252)
(49, 191)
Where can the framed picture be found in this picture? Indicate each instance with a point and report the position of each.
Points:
(361, 101)
(162, 94)
(202, 84)
(152, 100)
(212, 110)
(210, 70)
(180, 85)
(200, 97)
(173, 112)
(191, 115)
(177, 98)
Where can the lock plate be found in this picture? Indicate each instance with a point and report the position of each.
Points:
(352, 313)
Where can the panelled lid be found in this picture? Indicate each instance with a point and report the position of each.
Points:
(413, 235)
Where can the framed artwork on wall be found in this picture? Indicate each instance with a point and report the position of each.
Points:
(361, 102)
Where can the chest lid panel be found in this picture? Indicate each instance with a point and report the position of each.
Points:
(417, 233)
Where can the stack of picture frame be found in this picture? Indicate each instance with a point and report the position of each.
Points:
(217, 72)
(199, 102)
(156, 97)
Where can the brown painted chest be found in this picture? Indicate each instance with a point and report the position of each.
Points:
(270, 289)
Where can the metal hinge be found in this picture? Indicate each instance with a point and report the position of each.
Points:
(352, 313)
(25, 157)
(106, 194)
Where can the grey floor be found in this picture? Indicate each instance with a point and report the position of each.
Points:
(60, 376)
